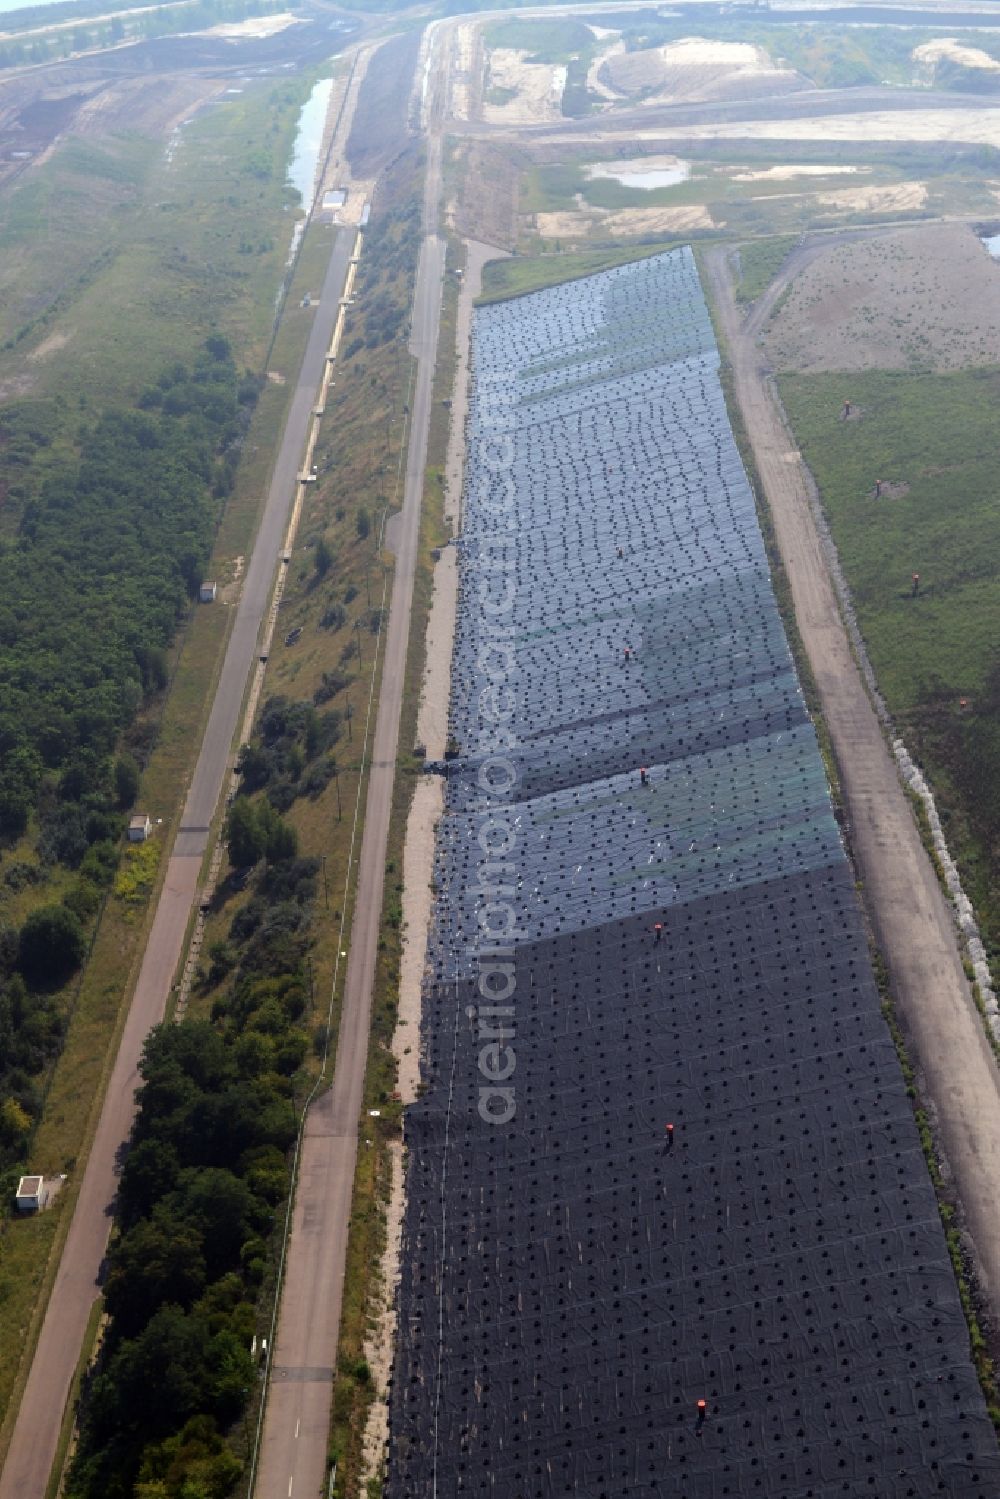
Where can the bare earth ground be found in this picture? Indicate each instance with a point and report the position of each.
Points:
(695, 68)
(488, 201)
(879, 197)
(337, 169)
(785, 172)
(969, 126)
(38, 108)
(929, 295)
(913, 923)
(948, 49)
(538, 89)
(466, 72)
(578, 224)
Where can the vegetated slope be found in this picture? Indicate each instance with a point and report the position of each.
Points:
(931, 439)
(923, 298)
(108, 553)
(107, 556)
(205, 1173)
(267, 951)
(119, 254)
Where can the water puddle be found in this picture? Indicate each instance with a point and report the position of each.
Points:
(644, 174)
(309, 142)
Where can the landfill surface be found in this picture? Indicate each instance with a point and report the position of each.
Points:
(669, 1227)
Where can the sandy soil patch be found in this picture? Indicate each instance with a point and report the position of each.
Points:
(465, 71)
(432, 714)
(695, 68)
(418, 897)
(949, 49)
(50, 345)
(576, 225)
(537, 88)
(379, 1342)
(464, 51)
(886, 197)
(927, 297)
(787, 173)
(567, 224)
(595, 82)
(15, 386)
(639, 166)
(660, 220)
(969, 126)
(257, 26)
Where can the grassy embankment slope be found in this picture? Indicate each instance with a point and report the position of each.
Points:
(520, 274)
(933, 439)
(116, 262)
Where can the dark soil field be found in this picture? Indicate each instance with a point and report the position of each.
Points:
(379, 131)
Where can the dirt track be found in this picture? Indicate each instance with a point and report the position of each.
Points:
(912, 919)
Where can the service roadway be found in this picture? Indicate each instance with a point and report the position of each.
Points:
(36, 1432)
(296, 1425)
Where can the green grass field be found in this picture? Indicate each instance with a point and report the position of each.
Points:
(520, 274)
(760, 262)
(172, 246)
(932, 438)
(556, 40)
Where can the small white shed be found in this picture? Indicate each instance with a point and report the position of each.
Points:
(207, 593)
(139, 828)
(30, 1194)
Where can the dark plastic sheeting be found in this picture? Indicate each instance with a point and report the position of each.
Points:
(572, 1282)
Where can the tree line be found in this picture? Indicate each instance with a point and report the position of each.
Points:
(108, 553)
(204, 1177)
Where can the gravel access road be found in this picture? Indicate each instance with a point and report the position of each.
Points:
(36, 1432)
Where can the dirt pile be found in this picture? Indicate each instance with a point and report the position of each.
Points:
(697, 69)
(921, 298)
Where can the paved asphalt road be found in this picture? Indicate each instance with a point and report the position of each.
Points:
(36, 1432)
(913, 922)
(296, 1424)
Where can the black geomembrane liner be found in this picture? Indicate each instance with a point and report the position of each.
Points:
(713, 1187)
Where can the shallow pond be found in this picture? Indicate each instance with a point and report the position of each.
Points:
(643, 175)
(308, 141)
